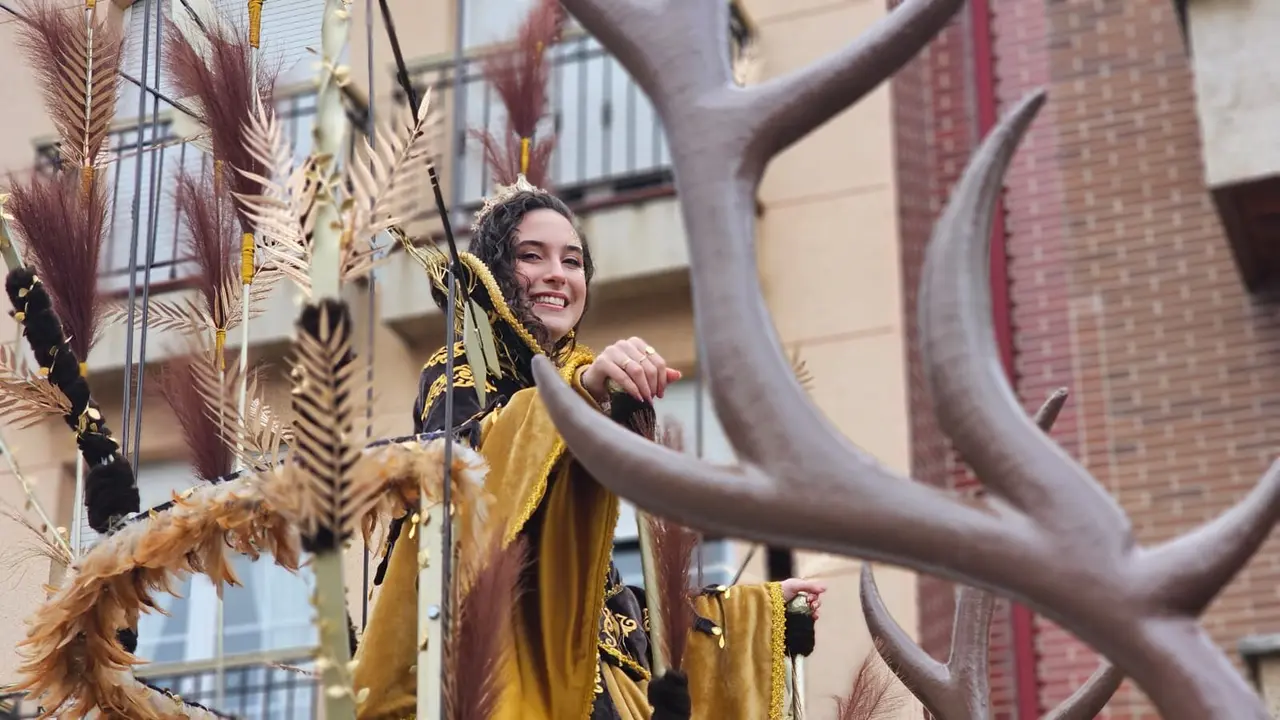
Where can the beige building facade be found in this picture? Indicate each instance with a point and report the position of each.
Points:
(827, 249)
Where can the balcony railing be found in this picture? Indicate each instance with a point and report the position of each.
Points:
(610, 146)
(609, 138)
(252, 689)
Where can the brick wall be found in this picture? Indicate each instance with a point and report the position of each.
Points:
(935, 133)
(1122, 287)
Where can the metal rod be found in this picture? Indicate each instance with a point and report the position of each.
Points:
(373, 286)
(127, 406)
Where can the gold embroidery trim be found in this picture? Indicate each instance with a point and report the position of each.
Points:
(617, 654)
(778, 650)
(462, 378)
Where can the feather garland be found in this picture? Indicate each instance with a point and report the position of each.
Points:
(78, 74)
(284, 208)
(64, 229)
(519, 74)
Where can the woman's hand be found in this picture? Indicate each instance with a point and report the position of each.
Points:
(812, 590)
(635, 366)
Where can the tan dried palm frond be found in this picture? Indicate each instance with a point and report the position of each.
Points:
(179, 385)
(388, 182)
(327, 392)
(258, 439)
(78, 74)
(873, 695)
(283, 210)
(26, 399)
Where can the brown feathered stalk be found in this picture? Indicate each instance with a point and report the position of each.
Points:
(222, 86)
(71, 69)
(481, 635)
(64, 230)
(673, 548)
(519, 75)
(502, 154)
(872, 695)
(178, 383)
(209, 222)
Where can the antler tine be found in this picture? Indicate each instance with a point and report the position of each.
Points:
(794, 105)
(960, 690)
(1188, 572)
(974, 403)
(1089, 699)
(944, 692)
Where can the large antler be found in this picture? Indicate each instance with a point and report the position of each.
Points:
(1047, 531)
(960, 690)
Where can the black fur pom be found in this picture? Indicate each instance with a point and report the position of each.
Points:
(110, 493)
(669, 696)
(800, 634)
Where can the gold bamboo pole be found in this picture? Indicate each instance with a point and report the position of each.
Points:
(330, 137)
(657, 631)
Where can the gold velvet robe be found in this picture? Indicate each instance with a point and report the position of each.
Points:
(581, 646)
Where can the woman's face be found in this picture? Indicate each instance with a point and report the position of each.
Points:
(549, 261)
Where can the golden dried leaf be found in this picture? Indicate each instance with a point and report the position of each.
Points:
(26, 399)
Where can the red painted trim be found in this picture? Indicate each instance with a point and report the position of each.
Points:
(1023, 622)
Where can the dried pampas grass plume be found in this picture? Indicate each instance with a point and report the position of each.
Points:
(223, 87)
(79, 76)
(64, 228)
(874, 694)
(180, 382)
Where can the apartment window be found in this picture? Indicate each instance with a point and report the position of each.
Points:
(681, 406)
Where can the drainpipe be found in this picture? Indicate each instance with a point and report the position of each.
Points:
(984, 89)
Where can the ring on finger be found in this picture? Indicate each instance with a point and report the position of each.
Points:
(626, 362)
(648, 350)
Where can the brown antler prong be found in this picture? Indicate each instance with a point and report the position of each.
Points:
(1089, 699)
(1048, 530)
(947, 691)
(794, 105)
(681, 487)
(1187, 573)
(975, 406)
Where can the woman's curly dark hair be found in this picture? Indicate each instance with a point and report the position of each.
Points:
(494, 243)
